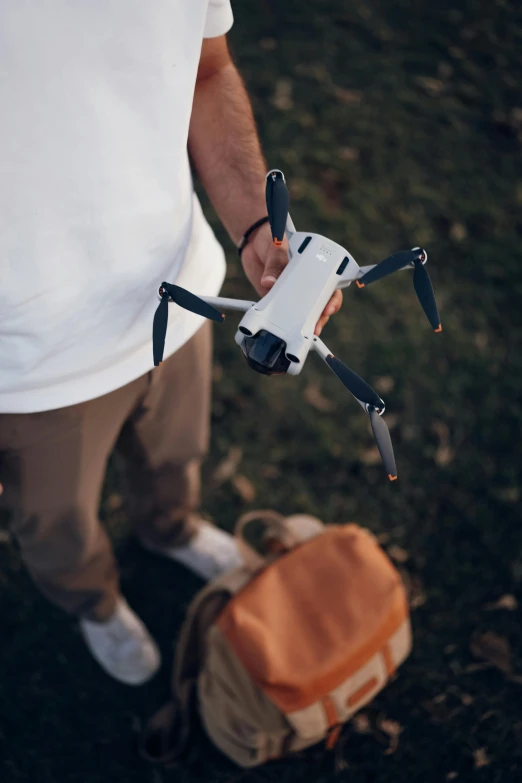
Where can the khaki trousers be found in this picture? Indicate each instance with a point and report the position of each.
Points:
(52, 467)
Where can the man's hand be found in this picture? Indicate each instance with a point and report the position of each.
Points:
(263, 262)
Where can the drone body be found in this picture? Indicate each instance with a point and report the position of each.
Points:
(293, 306)
(276, 333)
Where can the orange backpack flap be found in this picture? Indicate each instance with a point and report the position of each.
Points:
(314, 617)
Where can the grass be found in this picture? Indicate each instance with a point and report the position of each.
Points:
(397, 124)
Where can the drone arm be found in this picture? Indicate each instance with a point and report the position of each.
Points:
(241, 305)
(323, 351)
(290, 228)
(369, 401)
(351, 274)
(328, 357)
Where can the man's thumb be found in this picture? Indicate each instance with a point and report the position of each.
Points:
(276, 262)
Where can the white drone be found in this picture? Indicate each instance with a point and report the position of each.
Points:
(277, 333)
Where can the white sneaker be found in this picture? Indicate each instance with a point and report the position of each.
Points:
(210, 553)
(122, 646)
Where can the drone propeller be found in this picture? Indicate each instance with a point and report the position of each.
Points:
(424, 291)
(369, 400)
(159, 329)
(421, 279)
(277, 202)
(193, 303)
(389, 265)
(382, 437)
(355, 385)
(184, 299)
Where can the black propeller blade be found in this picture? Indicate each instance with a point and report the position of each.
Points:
(421, 279)
(389, 265)
(189, 301)
(277, 203)
(359, 388)
(382, 437)
(159, 329)
(424, 290)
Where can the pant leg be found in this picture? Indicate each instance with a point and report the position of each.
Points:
(163, 443)
(52, 469)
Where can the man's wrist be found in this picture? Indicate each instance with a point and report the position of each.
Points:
(249, 232)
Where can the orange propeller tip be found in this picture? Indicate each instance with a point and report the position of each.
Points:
(392, 478)
(360, 285)
(439, 328)
(278, 242)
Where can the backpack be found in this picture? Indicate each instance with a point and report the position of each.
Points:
(277, 655)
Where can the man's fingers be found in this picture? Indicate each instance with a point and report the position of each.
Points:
(320, 324)
(276, 262)
(331, 308)
(334, 305)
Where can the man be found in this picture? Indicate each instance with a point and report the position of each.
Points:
(101, 105)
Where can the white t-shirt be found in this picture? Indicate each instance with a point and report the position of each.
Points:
(97, 206)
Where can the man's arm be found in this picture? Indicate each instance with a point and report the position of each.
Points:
(226, 153)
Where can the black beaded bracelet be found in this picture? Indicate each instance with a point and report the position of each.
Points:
(246, 235)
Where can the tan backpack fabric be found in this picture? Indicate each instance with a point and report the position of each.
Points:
(279, 654)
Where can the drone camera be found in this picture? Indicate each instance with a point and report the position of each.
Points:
(265, 353)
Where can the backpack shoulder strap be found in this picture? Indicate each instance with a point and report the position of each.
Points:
(166, 734)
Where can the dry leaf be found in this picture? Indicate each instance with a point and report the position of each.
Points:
(444, 455)
(392, 729)
(244, 488)
(458, 232)
(349, 153)
(480, 758)
(269, 471)
(228, 466)
(391, 420)
(361, 723)
(457, 52)
(347, 96)
(268, 44)
(114, 502)
(313, 396)
(384, 384)
(432, 86)
(466, 699)
(412, 584)
(283, 95)
(5, 536)
(493, 649)
(371, 456)
(417, 599)
(445, 70)
(398, 554)
(452, 775)
(509, 494)
(516, 679)
(507, 601)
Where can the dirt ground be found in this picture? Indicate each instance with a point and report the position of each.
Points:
(397, 124)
